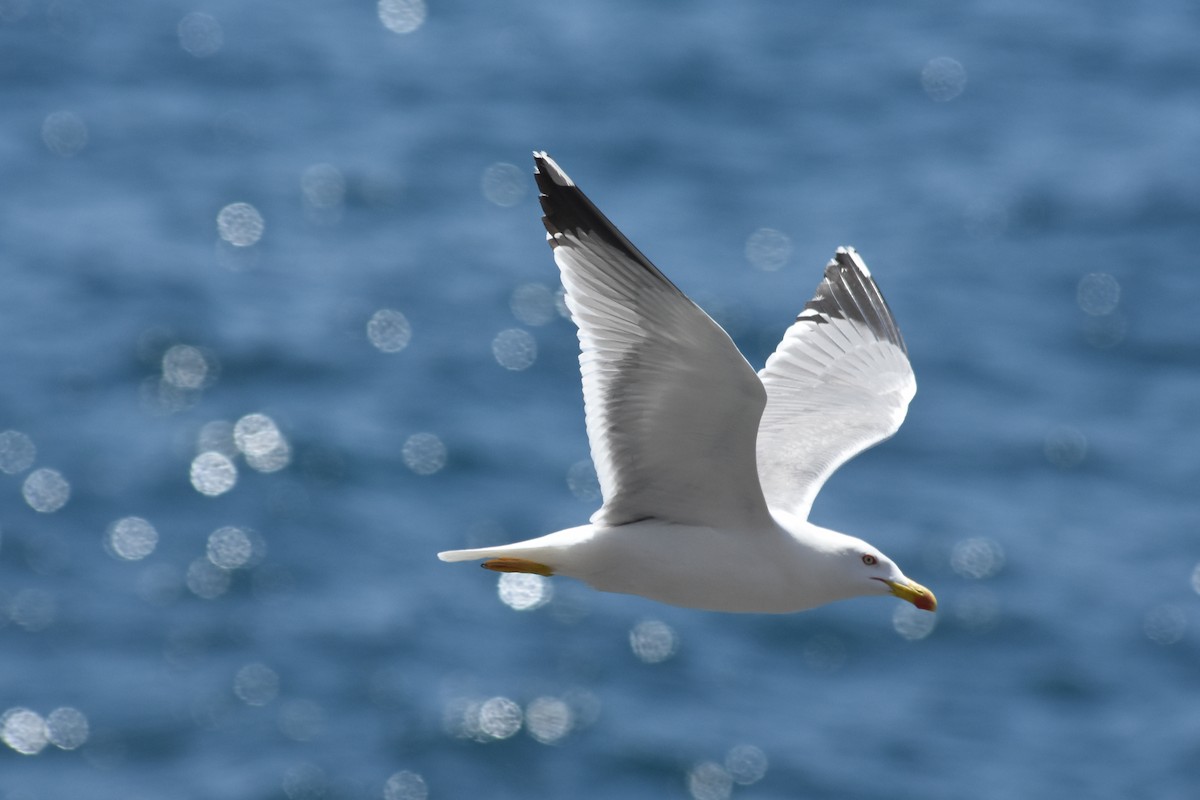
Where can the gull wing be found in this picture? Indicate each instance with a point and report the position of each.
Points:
(838, 383)
(672, 407)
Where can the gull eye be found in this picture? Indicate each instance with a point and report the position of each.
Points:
(869, 560)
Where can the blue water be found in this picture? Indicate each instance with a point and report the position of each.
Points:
(1031, 211)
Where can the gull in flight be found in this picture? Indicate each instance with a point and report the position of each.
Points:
(708, 470)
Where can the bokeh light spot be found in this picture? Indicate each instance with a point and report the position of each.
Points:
(217, 436)
(240, 224)
(301, 720)
(405, 785)
(548, 719)
(200, 34)
(768, 249)
(978, 558)
(653, 641)
(131, 538)
(46, 490)
(231, 547)
(943, 79)
(389, 330)
(515, 349)
(1165, 624)
(323, 187)
(256, 684)
(64, 133)
(402, 16)
(912, 623)
(746, 764)
(583, 482)
(260, 441)
(185, 367)
(523, 591)
(306, 782)
(67, 728)
(24, 731)
(33, 609)
(424, 453)
(1098, 294)
(708, 780)
(206, 580)
(212, 473)
(533, 304)
(17, 452)
(1065, 447)
(500, 718)
(504, 184)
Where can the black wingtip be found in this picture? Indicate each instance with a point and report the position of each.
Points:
(849, 292)
(567, 212)
(565, 209)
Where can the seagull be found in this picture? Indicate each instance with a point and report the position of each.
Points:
(708, 470)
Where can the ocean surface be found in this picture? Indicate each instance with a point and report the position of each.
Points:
(278, 322)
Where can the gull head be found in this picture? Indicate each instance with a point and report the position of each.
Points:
(875, 573)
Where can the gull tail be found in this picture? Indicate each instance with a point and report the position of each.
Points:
(497, 560)
(545, 555)
(471, 555)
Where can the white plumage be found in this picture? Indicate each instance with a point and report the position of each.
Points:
(707, 470)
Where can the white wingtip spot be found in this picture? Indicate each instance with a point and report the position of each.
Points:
(553, 169)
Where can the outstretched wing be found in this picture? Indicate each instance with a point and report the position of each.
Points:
(672, 406)
(838, 383)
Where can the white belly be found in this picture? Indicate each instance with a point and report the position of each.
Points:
(687, 566)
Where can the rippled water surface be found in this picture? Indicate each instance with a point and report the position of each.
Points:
(278, 322)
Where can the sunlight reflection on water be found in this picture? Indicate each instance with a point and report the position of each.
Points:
(522, 591)
(709, 780)
(533, 304)
(17, 452)
(64, 133)
(912, 623)
(200, 34)
(230, 547)
(653, 641)
(389, 330)
(402, 16)
(943, 79)
(424, 453)
(256, 684)
(131, 538)
(405, 785)
(240, 224)
(504, 184)
(29, 733)
(213, 473)
(515, 349)
(768, 249)
(261, 442)
(46, 490)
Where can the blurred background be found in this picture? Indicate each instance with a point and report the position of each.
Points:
(278, 322)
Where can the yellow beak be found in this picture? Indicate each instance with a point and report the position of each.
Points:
(914, 593)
